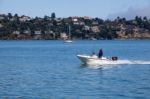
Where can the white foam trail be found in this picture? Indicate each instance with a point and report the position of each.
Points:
(121, 62)
(117, 63)
(141, 62)
(132, 62)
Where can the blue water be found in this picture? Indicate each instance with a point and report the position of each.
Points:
(51, 70)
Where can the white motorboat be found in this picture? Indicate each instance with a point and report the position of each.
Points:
(94, 60)
(68, 41)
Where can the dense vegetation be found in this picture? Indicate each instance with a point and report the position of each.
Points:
(50, 27)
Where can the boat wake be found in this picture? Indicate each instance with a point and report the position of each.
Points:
(122, 62)
(131, 62)
(140, 62)
(117, 63)
(94, 61)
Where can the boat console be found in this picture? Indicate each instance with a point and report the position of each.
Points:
(114, 58)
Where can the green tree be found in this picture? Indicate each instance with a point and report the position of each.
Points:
(53, 16)
(9, 15)
(145, 18)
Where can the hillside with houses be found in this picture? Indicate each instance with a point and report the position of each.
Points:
(15, 27)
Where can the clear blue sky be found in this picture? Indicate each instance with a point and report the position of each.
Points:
(65, 8)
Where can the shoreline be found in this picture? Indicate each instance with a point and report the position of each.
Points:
(73, 39)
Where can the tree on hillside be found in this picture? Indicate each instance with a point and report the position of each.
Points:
(53, 16)
(9, 15)
(145, 18)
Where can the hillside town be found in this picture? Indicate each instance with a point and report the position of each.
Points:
(15, 27)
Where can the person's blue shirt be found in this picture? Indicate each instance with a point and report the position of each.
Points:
(100, 54)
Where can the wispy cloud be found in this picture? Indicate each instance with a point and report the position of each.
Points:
(132, 12)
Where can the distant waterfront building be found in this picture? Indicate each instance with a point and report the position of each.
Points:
(82, 23)
(122, 27)
(37, 32)
(1, 25)
(16, 32)
(87, 18)
(95, 29)
(37, 35)
(86, 27)
(76, 23)
(49, 32)
(63, 36)
(24, 18)
(27, 32)
(95, 23)
(2, 17)
(12, 19)
(74, 19)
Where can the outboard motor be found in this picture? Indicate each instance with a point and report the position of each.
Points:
(114, 58)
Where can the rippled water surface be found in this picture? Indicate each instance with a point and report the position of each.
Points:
(51, 70)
